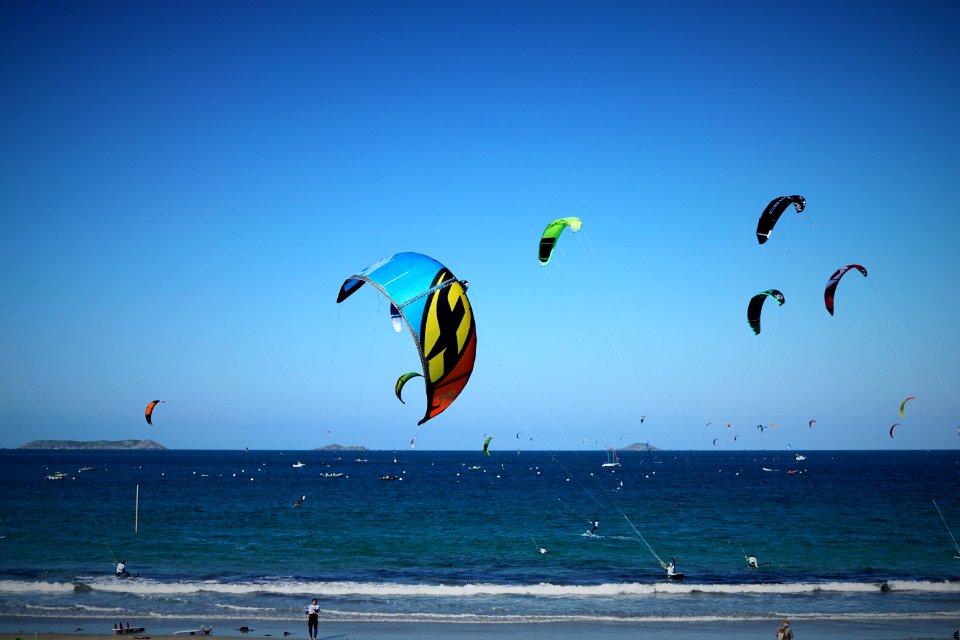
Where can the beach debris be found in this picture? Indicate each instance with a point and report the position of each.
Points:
(773, 212)
(834, 280)
(550, 235)
(433, 304)
(756, 306)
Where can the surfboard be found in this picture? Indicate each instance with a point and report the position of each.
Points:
(676, 576)
(194, 632)
(128, 630)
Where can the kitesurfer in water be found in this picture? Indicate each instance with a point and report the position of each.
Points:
(672, 568)
(752, 561)
(596, 524)
(299, 503)
(122, 569)
(313, 618)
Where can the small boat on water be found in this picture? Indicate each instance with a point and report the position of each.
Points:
(298, 465)
(389, 477)
(57, 475)
(333, 475)
(82, 469)
(474, 468)
(799, 457)
(613, 461)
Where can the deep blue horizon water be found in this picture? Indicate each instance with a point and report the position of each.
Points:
(219, 537)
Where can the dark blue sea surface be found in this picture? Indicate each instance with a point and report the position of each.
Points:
(455, 537)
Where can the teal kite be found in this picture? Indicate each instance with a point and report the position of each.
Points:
(756, 305)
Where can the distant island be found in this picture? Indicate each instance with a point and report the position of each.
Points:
(94, 444)
(640, 446)
(340, 447)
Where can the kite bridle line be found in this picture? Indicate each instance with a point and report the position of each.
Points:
(913, 343)
(644, 540)
(423, 294)
(553, 422)
(955, 545)
(104, 538)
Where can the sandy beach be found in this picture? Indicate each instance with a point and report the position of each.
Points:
(28, 629)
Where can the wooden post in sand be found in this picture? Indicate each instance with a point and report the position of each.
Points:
(136, 513)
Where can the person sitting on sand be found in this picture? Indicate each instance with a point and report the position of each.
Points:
(785, 632)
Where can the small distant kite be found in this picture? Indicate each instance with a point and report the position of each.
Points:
(773, 212)
(642, 418)
(895, 425)
(550, 235)
(834, 280)
(402, 380)
(148, 414)
(811, 423)
(714, 442)
(904, 403)
(756, 305)
(486, 445)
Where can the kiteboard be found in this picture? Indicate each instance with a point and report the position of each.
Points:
(202, 631)
(676, 576)
(128, 629)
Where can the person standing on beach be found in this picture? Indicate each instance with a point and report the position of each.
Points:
(313, 618)
(785, 632)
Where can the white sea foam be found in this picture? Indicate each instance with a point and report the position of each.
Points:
(147, 587)
(27, 586)
(351, 616)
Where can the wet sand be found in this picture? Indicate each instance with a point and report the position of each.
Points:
(64, 629)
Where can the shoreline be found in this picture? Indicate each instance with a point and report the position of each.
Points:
(27, 628)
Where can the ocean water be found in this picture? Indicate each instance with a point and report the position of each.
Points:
(456, 537)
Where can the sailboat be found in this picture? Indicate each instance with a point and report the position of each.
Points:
(612, 461)
(299, 464)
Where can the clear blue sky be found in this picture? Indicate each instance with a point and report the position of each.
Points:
(185, 185)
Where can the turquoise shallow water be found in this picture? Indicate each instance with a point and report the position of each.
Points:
(219, 538)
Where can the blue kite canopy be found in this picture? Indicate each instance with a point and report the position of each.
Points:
(433, 304)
